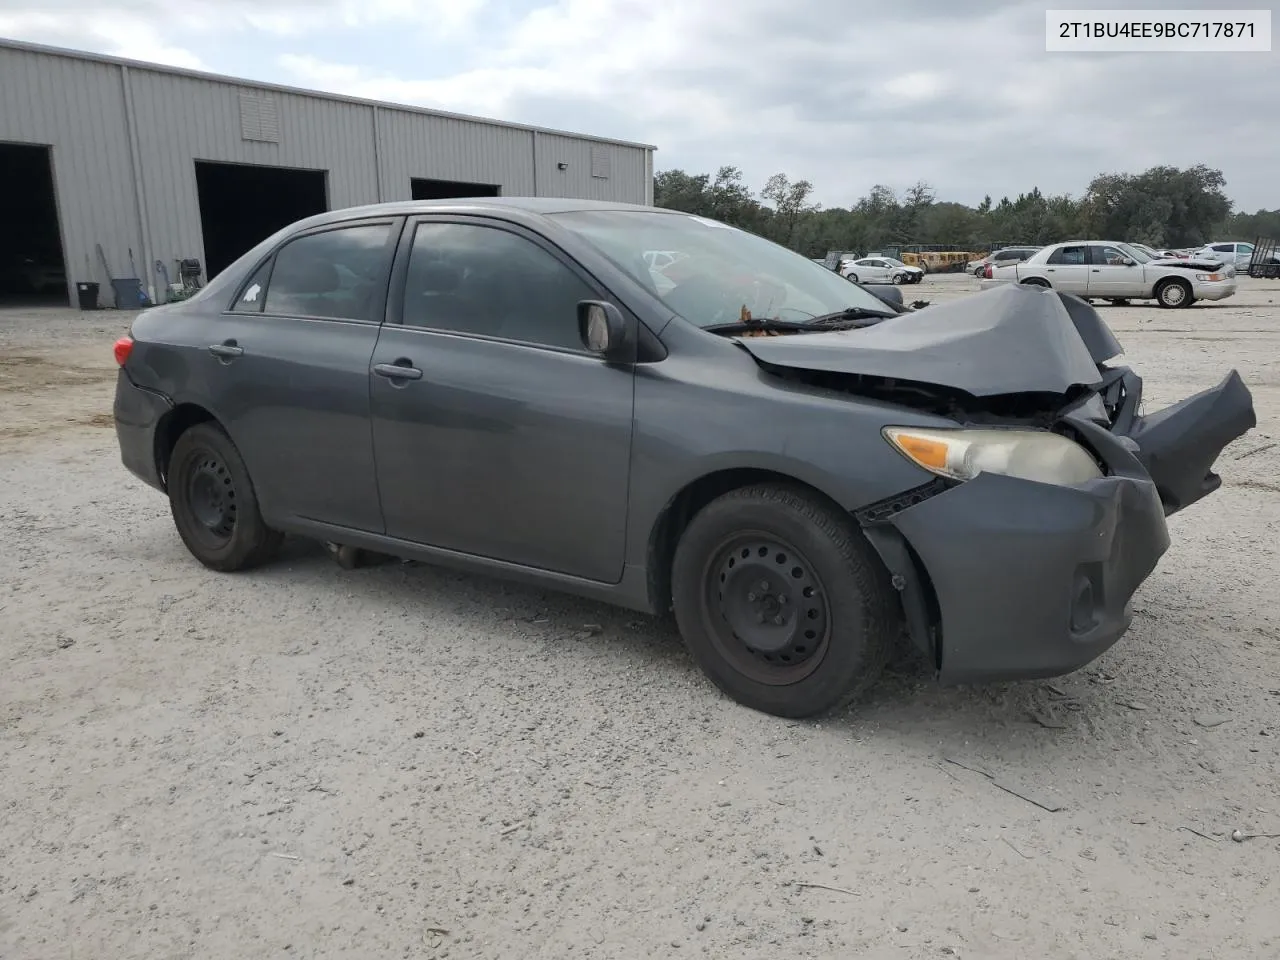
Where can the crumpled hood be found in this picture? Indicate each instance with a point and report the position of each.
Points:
(1195, 263)
(1011, 339)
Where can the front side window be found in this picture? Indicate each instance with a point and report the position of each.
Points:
(1110, 256)
(490, 282)
(335, 274)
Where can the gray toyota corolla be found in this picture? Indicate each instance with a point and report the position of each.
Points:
(801, 472)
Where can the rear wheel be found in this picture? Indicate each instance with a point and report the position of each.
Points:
(1035, 282)
(1173, 293)
(213, 502)
(853, 277)
(782, 602)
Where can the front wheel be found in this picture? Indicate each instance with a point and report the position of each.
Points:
(851, 277)
(1172, 294)
(899, 278)
(213, 502)
(782, 602)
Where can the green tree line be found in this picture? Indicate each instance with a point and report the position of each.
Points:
(1163, 207)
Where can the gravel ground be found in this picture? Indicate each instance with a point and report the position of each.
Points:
(403, 761)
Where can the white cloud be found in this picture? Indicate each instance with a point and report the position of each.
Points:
(964, 97)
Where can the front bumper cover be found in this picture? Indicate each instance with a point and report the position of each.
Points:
(1020, 579)
(1007, 579)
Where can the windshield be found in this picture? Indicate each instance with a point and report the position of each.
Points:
(720, 271)
(1134, 252)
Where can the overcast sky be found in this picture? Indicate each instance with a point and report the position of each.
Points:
(845, 93)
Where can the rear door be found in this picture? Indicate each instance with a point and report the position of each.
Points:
(288, 372)
(1067, 269)
(496, 434)
(1110, 276)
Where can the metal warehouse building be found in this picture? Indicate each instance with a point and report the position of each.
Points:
(112, 168)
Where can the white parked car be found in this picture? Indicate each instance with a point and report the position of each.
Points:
(1237, 254)
(1003, 257)
(1108, 270)
(880, 270)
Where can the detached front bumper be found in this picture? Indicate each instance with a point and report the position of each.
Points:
(1026, 580)
(1215, 289)
(1007, 579)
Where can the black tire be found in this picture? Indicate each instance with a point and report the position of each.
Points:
(1173, 293)
(980, 272)
(1119, 301)
(213, 502)
(831, 612)
(852, 278)
(899, 278)
(1035, 282)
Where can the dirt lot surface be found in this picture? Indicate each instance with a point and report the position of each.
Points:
(402, 761)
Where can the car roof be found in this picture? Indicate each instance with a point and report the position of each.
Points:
(516, 208)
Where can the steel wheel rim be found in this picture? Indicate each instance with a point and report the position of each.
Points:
(767, 610)
(211, 499)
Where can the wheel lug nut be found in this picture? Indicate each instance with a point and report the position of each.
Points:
(777, 621)
(782, 598)
(751, 597)
(764, 584)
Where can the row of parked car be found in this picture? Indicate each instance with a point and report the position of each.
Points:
(1118, 272)
(1232, 253)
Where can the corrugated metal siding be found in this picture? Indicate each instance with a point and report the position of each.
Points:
(417, 145)
(624, 169)
(77, 107)
(181, 120)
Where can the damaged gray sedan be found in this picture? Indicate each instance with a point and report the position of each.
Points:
(802, 473)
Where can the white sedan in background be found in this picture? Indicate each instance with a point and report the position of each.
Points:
(1107, 270)
(880, 270)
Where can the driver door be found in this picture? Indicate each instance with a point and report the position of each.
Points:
(1111, 277)
(496, 434)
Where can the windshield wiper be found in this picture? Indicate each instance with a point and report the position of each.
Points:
(764, 323)
(850, 316)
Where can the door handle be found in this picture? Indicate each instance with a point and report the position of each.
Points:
(401, 370)
(226, 350)
(1097, 269)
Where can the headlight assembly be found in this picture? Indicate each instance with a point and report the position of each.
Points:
(1026, 454)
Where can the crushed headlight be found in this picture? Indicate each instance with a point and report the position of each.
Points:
(1027, 454)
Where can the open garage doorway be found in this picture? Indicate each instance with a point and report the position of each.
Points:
(32, 271)
(242, 204)
(424, 189)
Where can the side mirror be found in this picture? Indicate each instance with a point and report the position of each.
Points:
(606, 332)
(1129, 262)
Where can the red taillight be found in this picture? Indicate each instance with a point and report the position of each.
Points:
(986, 271)
(122, 348)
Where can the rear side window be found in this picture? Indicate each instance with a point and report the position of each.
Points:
(1225, 247)
(254, 295)
(1072, 256)
(336, 274)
